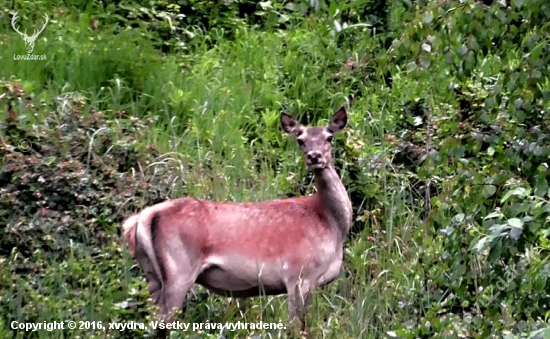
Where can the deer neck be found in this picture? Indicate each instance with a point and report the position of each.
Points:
(334, 199)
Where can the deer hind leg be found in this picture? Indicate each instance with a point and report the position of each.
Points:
(180, 276)
(175, 294)
(154, 282)
(154, 285)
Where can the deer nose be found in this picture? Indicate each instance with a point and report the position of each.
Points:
(314, 156)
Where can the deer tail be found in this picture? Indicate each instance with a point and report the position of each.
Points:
(129, 232)
(139, 231)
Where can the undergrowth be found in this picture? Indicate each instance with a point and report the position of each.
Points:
(445, 158)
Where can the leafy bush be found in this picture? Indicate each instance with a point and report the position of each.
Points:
(72, 177)
(446, 161)
(487, 163)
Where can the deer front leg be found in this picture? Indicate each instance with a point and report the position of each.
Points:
(294, 321)
(299, 300)
(303, 307)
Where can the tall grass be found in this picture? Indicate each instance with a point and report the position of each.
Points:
(219, 109)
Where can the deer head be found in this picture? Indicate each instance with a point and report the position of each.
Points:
(29, 40)
(315, 142)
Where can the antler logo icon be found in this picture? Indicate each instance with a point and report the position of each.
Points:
(29, 40)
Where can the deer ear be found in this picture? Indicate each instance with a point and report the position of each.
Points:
(338, 121)
(290, 125)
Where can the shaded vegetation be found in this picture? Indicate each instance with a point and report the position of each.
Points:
(446, 160)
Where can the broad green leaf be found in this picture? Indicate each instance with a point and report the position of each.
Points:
(426, 62)
(459, 270)
(515, 222)
(480, 245)
(462, 50)
(489, 102)
(515, 233)
(495, 252)
(534, 55)
(517, 228)
(493, 215)
(527, 218)
(498, 229)
(333, 8)
(427, 18)
(518, 3)
(447, 231)
(541, 188)
(488, 191)
(265, 5)
(520, 192)
(459, 218)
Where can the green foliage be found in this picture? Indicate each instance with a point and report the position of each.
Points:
(446, 160)
(488, 160)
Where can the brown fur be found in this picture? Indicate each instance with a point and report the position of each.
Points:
(129, 232)
(246, 249)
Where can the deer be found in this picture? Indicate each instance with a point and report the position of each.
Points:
(29, 40)
(244, 249)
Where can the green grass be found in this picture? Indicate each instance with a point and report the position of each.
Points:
(215, 113)
(221, 108)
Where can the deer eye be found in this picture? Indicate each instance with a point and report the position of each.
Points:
(329, 139)
(300, 142)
